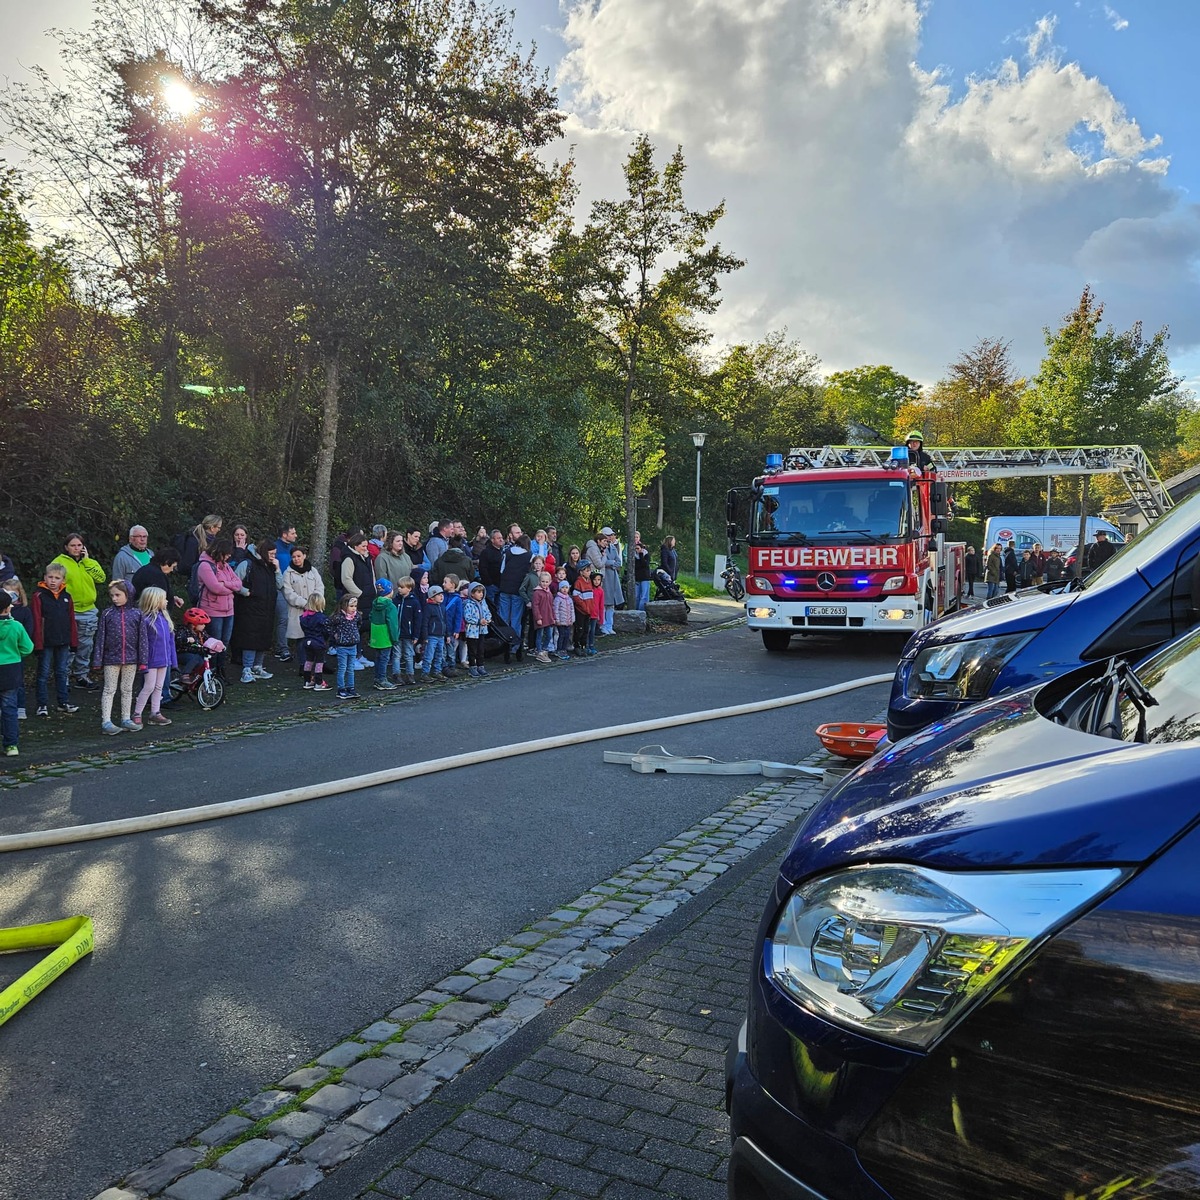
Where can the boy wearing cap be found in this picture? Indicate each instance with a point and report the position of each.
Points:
(564, 619)
(433, 632)
(385, 633)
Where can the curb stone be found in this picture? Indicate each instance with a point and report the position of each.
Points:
(580, 938)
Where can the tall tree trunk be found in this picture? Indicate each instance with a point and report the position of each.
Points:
(627, 446)
(325, 453)
(659, 514)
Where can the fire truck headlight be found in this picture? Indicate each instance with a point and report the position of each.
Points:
(761, 585)
(762, 614)
(896, 614)
(894, 584)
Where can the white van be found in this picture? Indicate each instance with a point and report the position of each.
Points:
(1052, 533)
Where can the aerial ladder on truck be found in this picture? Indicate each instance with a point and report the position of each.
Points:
(972, 464)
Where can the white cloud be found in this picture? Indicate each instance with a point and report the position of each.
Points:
(883, 217)
(1115, 19)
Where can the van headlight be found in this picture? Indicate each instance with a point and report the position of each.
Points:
(961, 670)
(901, 952)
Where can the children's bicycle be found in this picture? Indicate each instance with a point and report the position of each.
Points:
(199, 681)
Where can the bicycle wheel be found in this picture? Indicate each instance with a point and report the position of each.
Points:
(211, 691)
(174, 687)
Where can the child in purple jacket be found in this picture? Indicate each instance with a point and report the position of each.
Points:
(120, 645)
(160, 655)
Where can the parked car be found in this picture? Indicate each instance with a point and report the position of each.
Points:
(1142, 597)
(978, 974)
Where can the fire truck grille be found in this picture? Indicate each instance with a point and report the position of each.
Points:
(828, 622)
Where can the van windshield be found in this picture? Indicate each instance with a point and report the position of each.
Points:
(824, 508)
(1147, 546)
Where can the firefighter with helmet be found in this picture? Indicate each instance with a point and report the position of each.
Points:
(918, 461)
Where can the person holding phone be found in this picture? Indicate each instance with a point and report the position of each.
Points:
(82, 573)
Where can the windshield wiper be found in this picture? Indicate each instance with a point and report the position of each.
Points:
(1099, 711)
(870, 533)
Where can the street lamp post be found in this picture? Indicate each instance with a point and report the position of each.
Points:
(698, 442)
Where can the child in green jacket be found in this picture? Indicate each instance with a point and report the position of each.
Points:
(15, 644)
(385, 633)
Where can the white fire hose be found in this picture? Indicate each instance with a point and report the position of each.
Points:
(68, 835)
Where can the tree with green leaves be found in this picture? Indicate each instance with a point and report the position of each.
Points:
(871, 396)
(389, 152)
(1100, 387)
(758, 399)
(107, 138)
(645, 271)
(1097, 387)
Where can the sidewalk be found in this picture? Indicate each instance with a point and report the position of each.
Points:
(616, 1092)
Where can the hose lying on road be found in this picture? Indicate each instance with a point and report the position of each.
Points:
(231, 808)
(658, 760)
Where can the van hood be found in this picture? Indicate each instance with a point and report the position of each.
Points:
(1002, 787)
(1020, 613)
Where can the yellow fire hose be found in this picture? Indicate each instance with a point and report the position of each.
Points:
(68, 941)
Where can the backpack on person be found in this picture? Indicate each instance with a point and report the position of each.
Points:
(193, 586)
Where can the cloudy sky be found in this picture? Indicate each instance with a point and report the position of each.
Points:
(902, 177)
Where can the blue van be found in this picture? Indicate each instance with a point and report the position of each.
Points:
(977, 976)
(1145, 595)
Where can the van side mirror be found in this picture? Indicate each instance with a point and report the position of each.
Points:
(939, 500)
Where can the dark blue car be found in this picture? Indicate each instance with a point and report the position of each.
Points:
(978, 976)
(1145, 595)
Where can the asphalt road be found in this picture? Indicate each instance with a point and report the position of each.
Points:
(229, 953)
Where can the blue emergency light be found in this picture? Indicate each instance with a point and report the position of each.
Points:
(774, 462)
(899, 456)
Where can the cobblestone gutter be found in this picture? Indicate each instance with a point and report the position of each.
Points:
(279, 1144)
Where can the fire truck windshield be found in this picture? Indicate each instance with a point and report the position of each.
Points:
(822, 509)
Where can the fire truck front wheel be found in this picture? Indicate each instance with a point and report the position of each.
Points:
(776, 640)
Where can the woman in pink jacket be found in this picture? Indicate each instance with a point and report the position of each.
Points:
(219, 583)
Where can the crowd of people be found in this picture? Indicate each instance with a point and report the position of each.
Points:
(1031, 567)
(412, 606)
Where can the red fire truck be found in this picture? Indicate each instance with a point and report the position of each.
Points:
(844, 540)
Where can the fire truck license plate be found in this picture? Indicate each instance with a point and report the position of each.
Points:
(825, 610)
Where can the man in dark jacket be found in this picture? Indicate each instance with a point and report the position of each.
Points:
(1010, 567)
(514, 566)
(1100, 551)
(454, 560)
(490, 559)
(972, 569)
(156, 574)
(554, 545)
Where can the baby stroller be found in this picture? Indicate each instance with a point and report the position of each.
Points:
(665, 588)
(196, 676)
